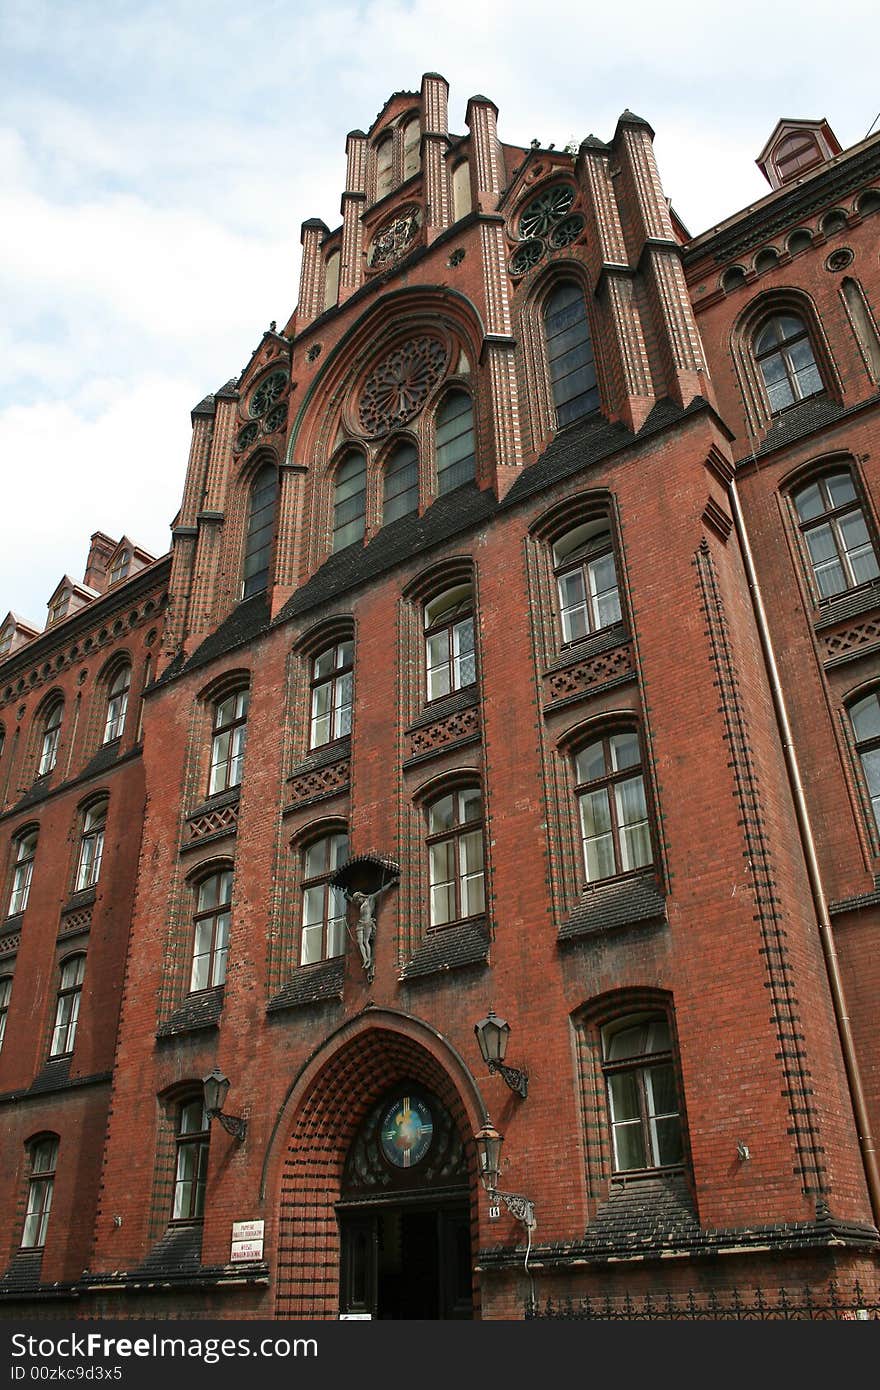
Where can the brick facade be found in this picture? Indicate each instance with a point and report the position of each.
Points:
(742, 924)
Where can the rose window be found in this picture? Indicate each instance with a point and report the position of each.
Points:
(567, 231)
(276, 418)
(267, 393)
(398, 388)
(546, 210)
(525, 256)
(246, 436)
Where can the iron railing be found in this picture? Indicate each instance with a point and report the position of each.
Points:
(725, 1305)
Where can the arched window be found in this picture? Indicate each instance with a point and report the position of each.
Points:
(412, 136)
(332, 693)
(213, 905)
(454, 441)
(262, 506)
(570, 361)
(228, 741)
(384, 166)
(865, 719)
(401, 484)
(22, 872)
(800, 240)
(44, 1160)
(192, 1138)
(462, 202)
(835, 534)
(643, 1103)
(117, 704)
(331, 280)
(350, 502)
(586, 580)
(450, 657)
(67, 1006)
(120, 567)
(612, 806)
(91, 847)
(455, 856)
(323, 909)
(51, 737)
(5, 996)
(784, 354)
(796, 153)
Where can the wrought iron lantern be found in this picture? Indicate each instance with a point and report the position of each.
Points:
(488, 1142)
(492, 1034)
(216, 1087)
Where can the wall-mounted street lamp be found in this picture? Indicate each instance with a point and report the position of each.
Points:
(489, 1142)
(492, 1034)
(216, 1087)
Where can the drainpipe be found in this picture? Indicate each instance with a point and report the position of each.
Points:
(826, 934)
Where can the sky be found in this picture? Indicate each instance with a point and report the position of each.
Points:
(157, 161)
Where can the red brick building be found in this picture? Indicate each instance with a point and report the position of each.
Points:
(520, 652)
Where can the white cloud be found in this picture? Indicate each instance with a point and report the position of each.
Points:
(157, 164)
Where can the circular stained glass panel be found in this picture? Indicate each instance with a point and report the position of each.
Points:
(544, 211)
(267, 393)
(397, 389)
(406, 1130)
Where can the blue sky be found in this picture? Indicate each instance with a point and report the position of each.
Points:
(158, 159)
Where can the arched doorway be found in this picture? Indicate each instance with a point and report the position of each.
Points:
(315, 1163)
(404, 1212)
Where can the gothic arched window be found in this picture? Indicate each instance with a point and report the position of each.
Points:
(570, 362)
(263, 503)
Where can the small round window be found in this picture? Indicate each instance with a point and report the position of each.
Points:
(267, 393)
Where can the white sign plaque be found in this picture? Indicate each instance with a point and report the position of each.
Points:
(247, 1241)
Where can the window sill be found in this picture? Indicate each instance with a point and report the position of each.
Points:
(323, 756)
(229, 797)
(199, 1011)
(84, 898)
(850, 604)
(633, 900)
(452, 703)
(317, 983)
(12, 923)
(449, 948)
(602, 641)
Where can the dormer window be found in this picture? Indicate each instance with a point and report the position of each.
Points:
(5, 640)
(795, 154)
(120, 567)
(59, 608)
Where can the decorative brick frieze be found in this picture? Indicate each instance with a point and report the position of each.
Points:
(75, 921)
(459, 727)
(849, 643)
(9, 943)
(220, 820)
(321, 782)
(585, 677)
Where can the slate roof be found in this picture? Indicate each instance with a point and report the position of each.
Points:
(198, 1011)
(619, 903)
(311, 984)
